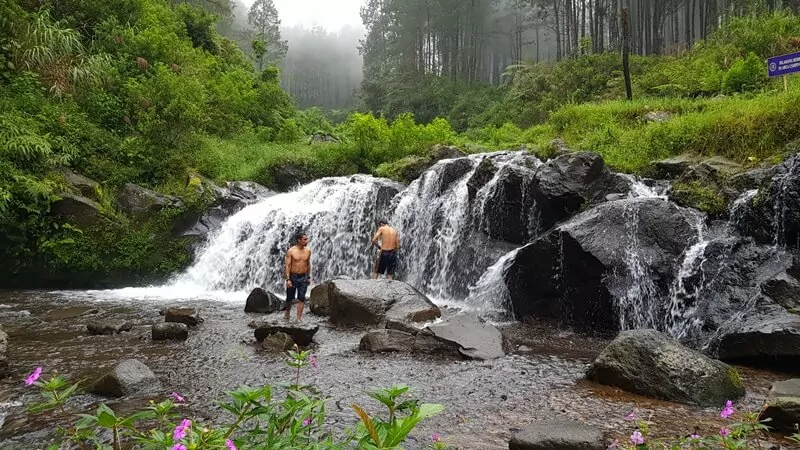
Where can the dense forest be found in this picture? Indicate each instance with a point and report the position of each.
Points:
(164, 94)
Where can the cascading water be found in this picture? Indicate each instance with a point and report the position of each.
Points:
(443, 252)
(338, 214)
(685, 294)
(489, 296)
(637, 306)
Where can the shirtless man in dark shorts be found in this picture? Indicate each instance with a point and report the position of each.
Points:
(390, 244)
(297, 273)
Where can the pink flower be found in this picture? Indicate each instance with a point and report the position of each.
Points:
(694, 436)
(724, 432)
(637, 438)
(727, 411)
(435, 437)
(180, 430)
(613, 445)
(179, 447)
(307, 422)
(313, 361)
(33, 376)
(229, 443)
(177, 397)
(632, 416)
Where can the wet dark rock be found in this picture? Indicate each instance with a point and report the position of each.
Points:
(143, 203)
(371, 302)
(82, 185)
(784, 289)
(653, 364)
(3, 354)
(567, 184)
(439, 152)
(319, 299)
(483, 174)
(412, 167)
(97, 327)
(783, 406)
(382, 341)
(752, 179)
(302, 333)
(453, 171)
(262, 302)
(426, 342)
(557, 435)
(768, 336)
(474, 338)
(170, 331)
(773, 215)
(506, 211)
(575, 274)
(402, 326)
(387, 189)
(188, 316)
(278, 341)
(128, 377)
(205, 187)
(288, 176)
(229, 200)
(77, 210)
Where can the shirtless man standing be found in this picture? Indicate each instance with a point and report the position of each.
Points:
(297, 273)
(390, 244)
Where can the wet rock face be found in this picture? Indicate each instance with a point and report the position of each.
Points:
(580, 271)
(189, 316)
(568, 183)
(370, 302)
(143, 203)
(557, 434)
(474, 338)
(301, 333)
(129, 377)
(228, 201)
(650, 363)
(3, 354)
(97, 327)
(773, 215)
(77, 210)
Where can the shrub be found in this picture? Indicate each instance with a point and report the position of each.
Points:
(260, 418)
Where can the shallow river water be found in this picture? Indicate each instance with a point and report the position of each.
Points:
(485, 401)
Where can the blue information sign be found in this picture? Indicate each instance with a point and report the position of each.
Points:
(783, 65)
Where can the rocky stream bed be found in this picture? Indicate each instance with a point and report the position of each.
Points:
(541, 377)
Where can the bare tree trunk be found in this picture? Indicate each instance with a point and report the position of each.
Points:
(626, 68)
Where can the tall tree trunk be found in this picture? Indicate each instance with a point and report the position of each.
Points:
(626, 68)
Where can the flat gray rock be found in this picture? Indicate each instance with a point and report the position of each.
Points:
(557, 435)
(476, 339)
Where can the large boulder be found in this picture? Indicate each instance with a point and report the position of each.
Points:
(289, 176)
(320, 299)
(650, 363)
(765, 335)
(783, 406)
(81, 185)
(773, 215)
(693, 166)
(557, 434)
(262, 302)
(412, 167)
(301, 333)
(371, 302)
(143, 203)
(189, 316)
(474, 338)
(506, 209)
(610, 264)
(99, 327)
(565, 185)
(128, 377)
(386, 340)
(170, 331)
(77, 210)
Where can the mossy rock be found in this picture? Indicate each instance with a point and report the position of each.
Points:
(705, 196)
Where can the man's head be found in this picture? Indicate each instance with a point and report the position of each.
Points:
(382, 222)
(301, 238)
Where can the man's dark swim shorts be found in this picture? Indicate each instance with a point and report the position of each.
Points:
(388, 262)
(298, 289)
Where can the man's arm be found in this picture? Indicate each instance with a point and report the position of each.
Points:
(287, 265)
(309, 265)
(375, 238)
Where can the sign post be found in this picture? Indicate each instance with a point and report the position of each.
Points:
(780, 66)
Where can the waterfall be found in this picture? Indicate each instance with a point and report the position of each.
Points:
(444, 251)
(685, 292)
(489, 296)
(338, 214)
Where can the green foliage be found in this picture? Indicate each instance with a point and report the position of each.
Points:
(259, 418)
(704, 196)
(744, 75)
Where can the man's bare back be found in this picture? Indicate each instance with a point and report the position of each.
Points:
(388, 238)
